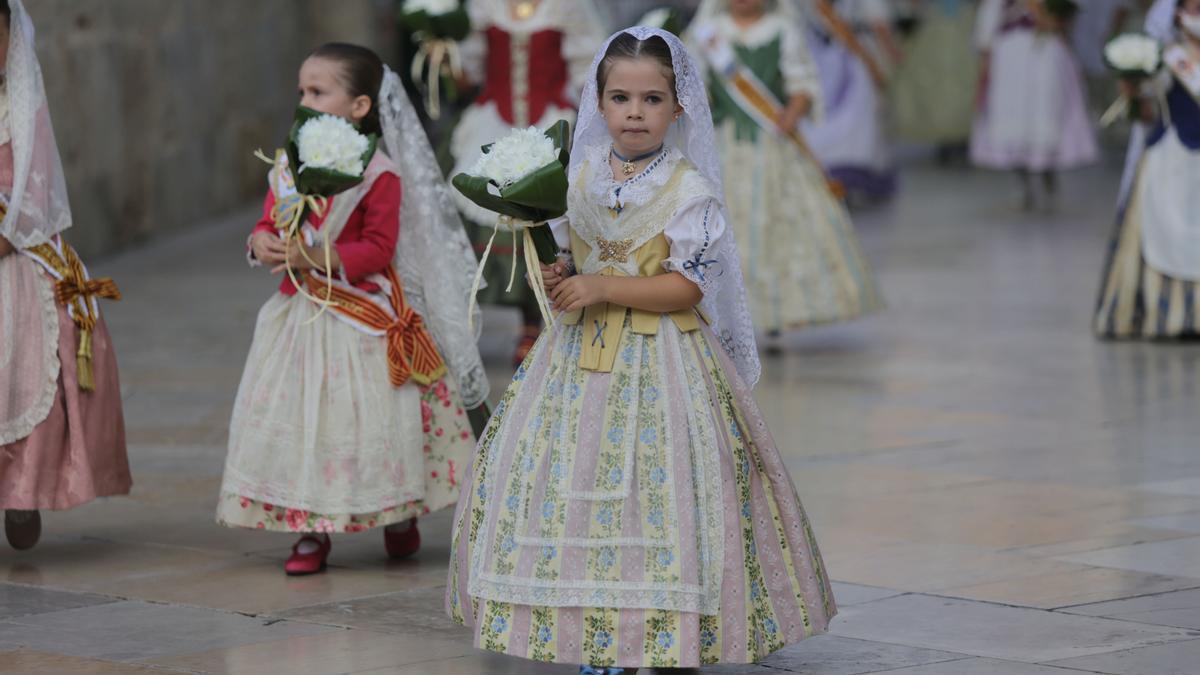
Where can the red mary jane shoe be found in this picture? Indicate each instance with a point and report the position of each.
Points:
(402, 544)
(308, 563)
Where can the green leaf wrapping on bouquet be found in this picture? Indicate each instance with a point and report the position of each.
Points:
(1062, 9)
(674, 23)
(538, 197)
(455, 25)
(322, 182)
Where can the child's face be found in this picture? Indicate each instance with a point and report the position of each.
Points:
(638, 105)
(321, 89)
(1189, 7)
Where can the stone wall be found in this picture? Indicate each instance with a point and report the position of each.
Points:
(158, 105)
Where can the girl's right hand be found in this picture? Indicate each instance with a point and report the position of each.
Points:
(268, 248)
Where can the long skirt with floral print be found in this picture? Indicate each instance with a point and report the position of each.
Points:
(598, 501)
(447, 444)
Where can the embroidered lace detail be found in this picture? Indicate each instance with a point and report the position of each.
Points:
(16, 272)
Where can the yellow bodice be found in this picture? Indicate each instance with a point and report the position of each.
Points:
(604, 324)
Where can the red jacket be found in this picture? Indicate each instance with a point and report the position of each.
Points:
(368, 241)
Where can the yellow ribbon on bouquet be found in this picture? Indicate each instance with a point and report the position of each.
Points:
(532, 267)
(287, 213)
(436, 53)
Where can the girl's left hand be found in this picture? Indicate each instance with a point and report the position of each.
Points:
(578, 292)
(295, 258)
(787, 120)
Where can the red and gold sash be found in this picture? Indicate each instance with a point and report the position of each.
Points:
(411, 352)
(78, 292)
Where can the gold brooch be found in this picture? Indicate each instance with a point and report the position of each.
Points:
(614, 251)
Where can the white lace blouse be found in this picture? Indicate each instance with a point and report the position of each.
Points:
(692, 229)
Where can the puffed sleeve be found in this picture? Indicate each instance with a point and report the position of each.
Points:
(987, 23)
(561, 227)
(692, 231)
(372, 251)
(799, 71)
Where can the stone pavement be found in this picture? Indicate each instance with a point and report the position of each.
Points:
(993, 490)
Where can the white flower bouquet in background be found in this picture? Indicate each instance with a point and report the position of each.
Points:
(1134, 57)
(523, 178)
(437, 26)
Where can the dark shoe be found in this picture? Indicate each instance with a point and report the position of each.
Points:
(23, 528)
(402, 544)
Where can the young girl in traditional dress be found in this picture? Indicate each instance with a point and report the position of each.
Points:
(62, 432)
(1152, 274)
(855, 50)
(627, 506)
(933, 95)
(531, 57)
(1032, 115)
(798, 246)
(352, 416)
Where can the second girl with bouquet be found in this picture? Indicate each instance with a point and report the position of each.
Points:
(352, 416)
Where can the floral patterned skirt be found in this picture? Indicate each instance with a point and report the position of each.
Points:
(322, 442)
(638, 518)
(448, 440)
(800, 253)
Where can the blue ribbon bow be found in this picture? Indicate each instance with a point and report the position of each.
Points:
(599, 333)
(698, 264)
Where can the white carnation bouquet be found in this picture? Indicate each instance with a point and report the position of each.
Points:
(330, 142)
(1131, 56)
(515, 156)
(523, 178)
(330, 155)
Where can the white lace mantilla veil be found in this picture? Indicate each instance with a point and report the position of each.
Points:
(724, 304)
(1160, 20)
(433, 256)
(38, 208)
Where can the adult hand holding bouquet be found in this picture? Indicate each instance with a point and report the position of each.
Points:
(438, 26)
(1134, 58)
(331, 155)
(523, 178)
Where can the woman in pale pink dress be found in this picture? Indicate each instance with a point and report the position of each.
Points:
(62, 434)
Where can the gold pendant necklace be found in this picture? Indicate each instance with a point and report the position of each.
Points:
(524, 9)
(629, 164)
